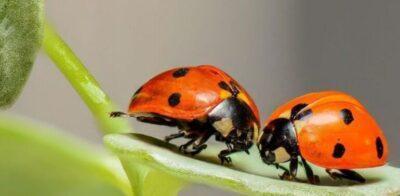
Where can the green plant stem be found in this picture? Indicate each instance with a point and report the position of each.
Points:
(83, 82)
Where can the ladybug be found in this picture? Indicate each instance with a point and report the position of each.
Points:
(330, 129)
(201, 101)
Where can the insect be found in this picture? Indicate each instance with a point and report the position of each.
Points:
(201, 101)
(329, 129)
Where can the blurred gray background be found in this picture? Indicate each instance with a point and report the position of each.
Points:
(277, 49)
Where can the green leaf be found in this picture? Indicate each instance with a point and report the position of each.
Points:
(21, 29)
(36, 160)
(248, 175)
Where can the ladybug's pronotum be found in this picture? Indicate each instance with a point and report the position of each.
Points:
(201, 101)
(329, 129)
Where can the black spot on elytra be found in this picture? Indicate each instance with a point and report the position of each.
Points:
(224, 86)
(347, 116)
(180, 72)
(174, 99)
(296, 109)
(379, 147)
(338, 151)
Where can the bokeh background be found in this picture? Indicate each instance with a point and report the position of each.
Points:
(277, 49)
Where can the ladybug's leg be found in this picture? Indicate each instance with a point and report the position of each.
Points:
(346, 174)
(234, 144)
(352, 175)
(313, 179)
(183, 147)
(232, 148)
(242, 145)
(281, 167)
(291, 174)
(199, 144)
(219, 137)
(223, 155)
(174, 136)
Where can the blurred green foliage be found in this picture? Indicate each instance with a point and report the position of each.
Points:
(37, 160)
(21, 29)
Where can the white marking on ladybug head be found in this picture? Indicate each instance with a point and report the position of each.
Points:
(281, 155)
(224, 126)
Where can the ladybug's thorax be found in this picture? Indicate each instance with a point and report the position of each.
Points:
(278, 142)
(233, 117)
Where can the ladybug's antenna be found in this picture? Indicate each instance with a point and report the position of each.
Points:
(117, 114)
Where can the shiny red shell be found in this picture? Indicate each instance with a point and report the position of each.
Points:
(186, 93)
(338, 133)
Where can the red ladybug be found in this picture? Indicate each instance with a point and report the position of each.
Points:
(329, 129)
(201, 101)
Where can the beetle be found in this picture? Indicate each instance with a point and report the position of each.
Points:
(201, 101)
(330, 129)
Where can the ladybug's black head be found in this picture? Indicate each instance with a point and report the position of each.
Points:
(278, 143)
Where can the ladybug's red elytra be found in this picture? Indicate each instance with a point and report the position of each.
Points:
(329, 129)
(201, 101)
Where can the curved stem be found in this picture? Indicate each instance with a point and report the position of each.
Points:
(83, 82)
